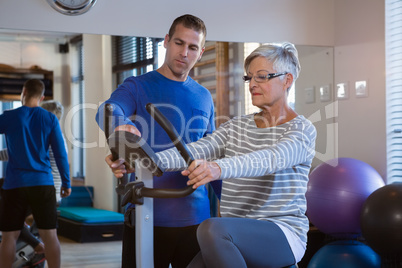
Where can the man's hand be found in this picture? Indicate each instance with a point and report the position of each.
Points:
(128, 128)
(65, 192)
(200, 172)
(118, 168)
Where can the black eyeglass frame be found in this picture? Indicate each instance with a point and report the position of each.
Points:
(268, 77)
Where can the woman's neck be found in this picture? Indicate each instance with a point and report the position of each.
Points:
(268, 118)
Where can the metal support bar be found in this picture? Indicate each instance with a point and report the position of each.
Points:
(144, 223)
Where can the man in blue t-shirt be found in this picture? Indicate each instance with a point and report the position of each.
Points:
(28, 183)
(189, 107)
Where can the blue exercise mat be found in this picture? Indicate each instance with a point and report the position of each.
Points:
(90, 215)
(81, 196)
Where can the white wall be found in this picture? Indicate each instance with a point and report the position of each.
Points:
(317, 68)
(304, 22)
(98, 86)
(28, 54)
(360, 55)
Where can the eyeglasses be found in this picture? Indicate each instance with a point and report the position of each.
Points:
(262, 76)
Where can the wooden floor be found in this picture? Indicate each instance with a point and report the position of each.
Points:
(90, 255)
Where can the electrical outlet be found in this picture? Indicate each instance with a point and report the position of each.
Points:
(309, 95)
(325, 93)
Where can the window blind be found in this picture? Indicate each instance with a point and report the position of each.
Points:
(133, 56)
(393, 54)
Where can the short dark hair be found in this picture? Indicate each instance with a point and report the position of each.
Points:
(34, 88)
(191, 22)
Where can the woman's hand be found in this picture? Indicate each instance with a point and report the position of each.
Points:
(200, 172)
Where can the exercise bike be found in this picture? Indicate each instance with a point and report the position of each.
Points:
(137, 153)
(25, 256)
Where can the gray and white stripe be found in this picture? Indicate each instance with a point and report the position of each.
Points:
(264, 170)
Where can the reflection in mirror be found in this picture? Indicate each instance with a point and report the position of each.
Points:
(42, 55)
(220, 70)
(317, 68)
(342, 91)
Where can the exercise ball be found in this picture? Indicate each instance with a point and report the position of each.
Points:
(345, 254)
(336, 192)
(381, 220)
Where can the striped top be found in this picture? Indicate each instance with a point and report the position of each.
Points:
(3, 155)
(264, 170)
(55, 172)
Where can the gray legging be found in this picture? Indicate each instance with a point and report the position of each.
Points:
(239, 242)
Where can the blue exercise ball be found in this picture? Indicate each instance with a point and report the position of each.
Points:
(345, 254)
(336, 192)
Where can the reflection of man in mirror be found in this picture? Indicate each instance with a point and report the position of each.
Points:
(189, 107)
(30, 130)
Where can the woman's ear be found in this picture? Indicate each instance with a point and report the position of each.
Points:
(288, 80)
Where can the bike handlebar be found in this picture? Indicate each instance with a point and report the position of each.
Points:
(133, 144)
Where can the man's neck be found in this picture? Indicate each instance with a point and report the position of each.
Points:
(32, 103)
(167, 72)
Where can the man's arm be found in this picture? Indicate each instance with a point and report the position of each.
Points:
(123, 101)
(118, 118)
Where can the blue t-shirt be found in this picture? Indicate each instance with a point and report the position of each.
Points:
(189, 107)
(29, 133)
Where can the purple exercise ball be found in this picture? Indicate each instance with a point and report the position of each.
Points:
(336, 192)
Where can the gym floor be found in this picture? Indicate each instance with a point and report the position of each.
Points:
(90, 255)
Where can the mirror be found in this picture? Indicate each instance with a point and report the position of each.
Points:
(45, 50)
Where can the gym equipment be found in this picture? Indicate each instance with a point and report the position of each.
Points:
(137, 153)
(345, 254)
(88, 224)
(381, 221)
(25, 254)
(80, 221)
(336, 192)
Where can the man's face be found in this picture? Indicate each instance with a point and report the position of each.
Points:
(183, 50)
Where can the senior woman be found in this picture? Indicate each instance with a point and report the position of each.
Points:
(263, 160)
